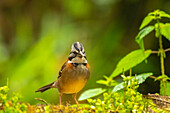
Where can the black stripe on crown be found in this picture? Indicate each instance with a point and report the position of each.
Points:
(81, 47)
(76, 46)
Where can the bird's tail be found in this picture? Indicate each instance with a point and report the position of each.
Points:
(46, 87)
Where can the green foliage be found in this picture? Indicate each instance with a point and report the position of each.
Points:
(129, 61)
(142, 34)
(160, 29)
(140, 78)
(165, 30)
(163, 14)
(157, 14)
(168, 88)
(91, 93)
(109, 82)
(128, 100)
(124, 96)
(125, 101)
(12, 104)
(146, 21)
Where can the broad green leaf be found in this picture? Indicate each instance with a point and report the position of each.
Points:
(163, 14)
(146, 21)
(91, 93)
(165, 30)
(143, 33)
(168, 89)
(141, 78)
(130, 60)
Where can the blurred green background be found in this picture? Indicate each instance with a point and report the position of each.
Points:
(36, 38)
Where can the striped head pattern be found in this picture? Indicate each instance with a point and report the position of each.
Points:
(77, 54)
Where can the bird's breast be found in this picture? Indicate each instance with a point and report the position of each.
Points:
(73, 80)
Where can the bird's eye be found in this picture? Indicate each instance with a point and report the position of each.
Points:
(75, 52)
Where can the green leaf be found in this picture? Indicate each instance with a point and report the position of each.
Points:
(168, 89)
(165, 30)
(163, 14)
(146, 21)
(141, 44)
(141, 78)
(104, 82)
(91, 93)
(142, 34)
(118, 87)
(129, 61)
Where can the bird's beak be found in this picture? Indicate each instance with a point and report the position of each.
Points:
(81, 54)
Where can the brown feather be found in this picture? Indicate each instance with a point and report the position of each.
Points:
(62, 68)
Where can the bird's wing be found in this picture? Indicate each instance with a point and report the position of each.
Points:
(62, 68)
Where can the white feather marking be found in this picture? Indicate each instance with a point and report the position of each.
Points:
(70, 61)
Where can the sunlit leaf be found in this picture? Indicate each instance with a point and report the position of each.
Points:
(165, 30)
(168, 89)
(91, 93)
(143, 33)
(104, 82)
(141, 78)
(129, 61)
(163, 14)
(146, 21)
(118, 87)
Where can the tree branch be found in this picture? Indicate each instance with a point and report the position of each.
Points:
(153, 77)
(156, 52)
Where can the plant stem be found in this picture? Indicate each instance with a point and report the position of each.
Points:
(161, 58)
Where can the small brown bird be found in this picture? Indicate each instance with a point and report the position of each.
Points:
(73, 75)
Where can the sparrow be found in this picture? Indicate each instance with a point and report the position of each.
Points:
(73, 75)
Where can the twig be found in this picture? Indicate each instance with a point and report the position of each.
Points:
(156, 52)
(41, 100)
(167, 50)
(151, 76)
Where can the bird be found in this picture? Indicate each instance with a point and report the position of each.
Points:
(73, 75)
